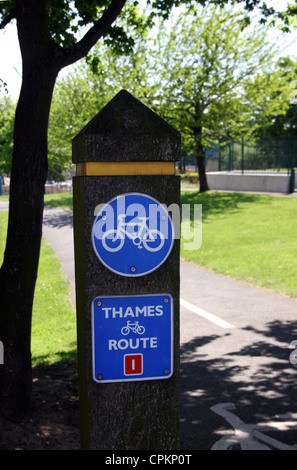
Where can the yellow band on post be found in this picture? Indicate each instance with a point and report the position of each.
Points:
(124, 168)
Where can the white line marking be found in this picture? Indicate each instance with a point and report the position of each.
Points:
(208, 316)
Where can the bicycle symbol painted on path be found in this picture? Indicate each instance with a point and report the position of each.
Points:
(134, 327)
(133, 234)
(251, 436)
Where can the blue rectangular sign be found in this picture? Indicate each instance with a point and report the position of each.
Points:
(132, 338)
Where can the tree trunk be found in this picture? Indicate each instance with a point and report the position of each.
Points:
(42, 60)
(202, 175)
(201, 160)
(19, 270)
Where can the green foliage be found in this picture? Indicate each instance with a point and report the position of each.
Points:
(77, 98)
(6, 8)
(219, 81)
(7, 110)
(197, 73)
(200, 70)
(285, 123)
(66, 18)
(83, 92)
(3, 86)
(119, 41)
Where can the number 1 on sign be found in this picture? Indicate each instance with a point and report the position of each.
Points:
(133, 364)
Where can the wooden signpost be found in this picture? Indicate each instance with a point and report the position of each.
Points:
(127, 278)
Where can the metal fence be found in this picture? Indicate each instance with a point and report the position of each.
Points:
(269, 155)
(58, 188)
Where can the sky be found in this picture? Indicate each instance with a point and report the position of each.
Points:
(10, 60)
(10, 57)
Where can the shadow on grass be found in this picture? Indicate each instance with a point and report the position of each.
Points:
(217, 203)
(62, 357)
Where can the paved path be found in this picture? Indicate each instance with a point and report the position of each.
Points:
(234, 354)
(58, 231)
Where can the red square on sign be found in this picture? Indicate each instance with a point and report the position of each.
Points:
(133, 364)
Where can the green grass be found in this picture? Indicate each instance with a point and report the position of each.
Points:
(245, 236)
(248, 237)
(53, 322)
(3, 228)
(63, 200)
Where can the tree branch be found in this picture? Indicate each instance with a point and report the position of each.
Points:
(81, 48)
(8, 19)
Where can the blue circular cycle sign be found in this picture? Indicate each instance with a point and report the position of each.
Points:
(132, 234)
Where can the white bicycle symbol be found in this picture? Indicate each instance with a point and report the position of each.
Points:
(251, 436)
(135, 327)
(150, 239)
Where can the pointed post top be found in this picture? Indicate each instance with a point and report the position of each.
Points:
(126, 130)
